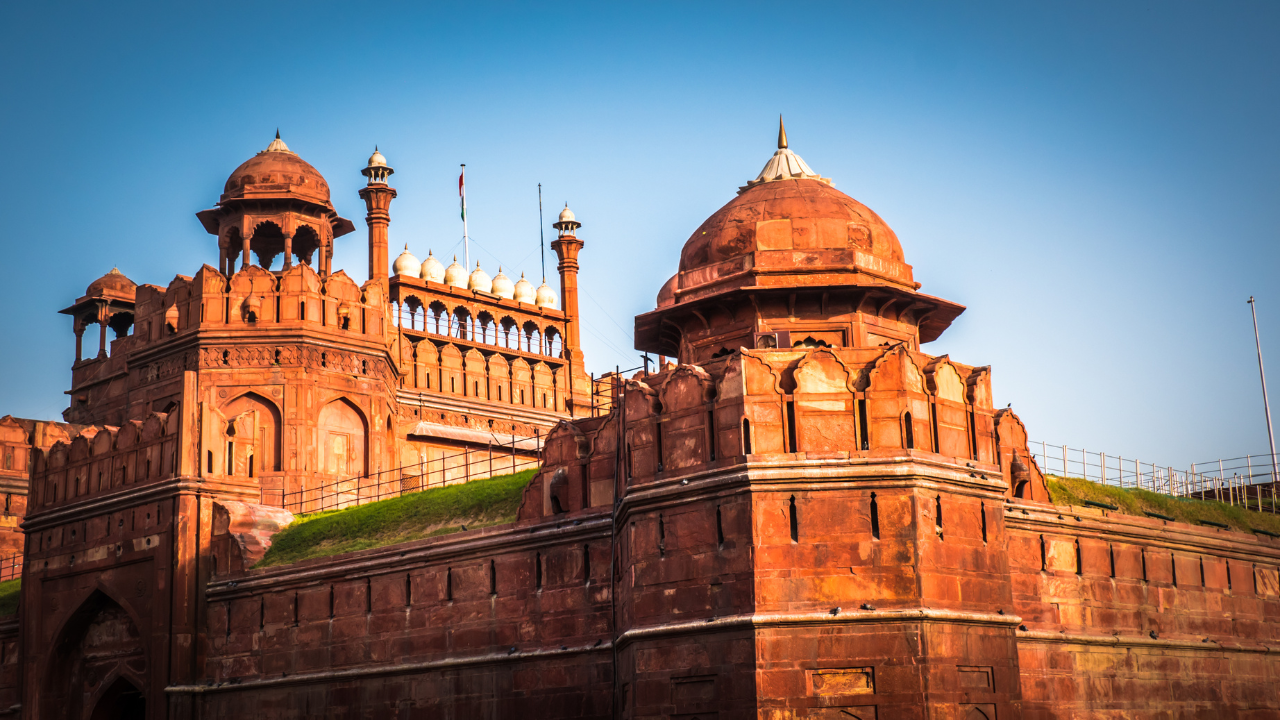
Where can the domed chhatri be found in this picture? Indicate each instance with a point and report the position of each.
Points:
(567, 224)
(432, 269)
(502, 285)
(377, 170)
(479, 280)
(406, 264)
(786, 236)
(455, 274)
(276, 205)
(545, 297)
(277, 171)
(524, 291)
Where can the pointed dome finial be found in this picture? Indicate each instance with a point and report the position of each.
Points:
(277, 145)
(784, 165)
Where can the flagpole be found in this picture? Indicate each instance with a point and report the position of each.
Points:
(542, 239)
(466, 242)
(1266, 405)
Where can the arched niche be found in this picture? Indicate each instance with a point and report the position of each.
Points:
(98, 647)
(344, 439)
(253, 433)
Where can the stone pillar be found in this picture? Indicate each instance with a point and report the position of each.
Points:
(244, 261)
(79, 341)
(288, 250)
(102, 331)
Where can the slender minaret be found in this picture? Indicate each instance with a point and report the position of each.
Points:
(567, 247)
(377, 196)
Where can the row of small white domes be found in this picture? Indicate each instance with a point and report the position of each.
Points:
(431, 269)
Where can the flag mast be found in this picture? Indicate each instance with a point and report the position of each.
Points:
(462, 191)
(542, 239)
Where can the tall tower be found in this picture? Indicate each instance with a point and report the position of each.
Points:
(377, 196)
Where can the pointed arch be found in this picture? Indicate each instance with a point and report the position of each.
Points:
(344, 439)
(99, 644)
(257, 436)
(122, 699)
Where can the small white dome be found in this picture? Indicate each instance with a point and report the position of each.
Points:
(455, 274)
(523, 291)
(479, 280)
(406, 264)
(376, 159)
(432, 269)
(546, 297)
(502, 285)
(566, 215)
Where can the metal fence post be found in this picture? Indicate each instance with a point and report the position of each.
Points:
(1249, 463)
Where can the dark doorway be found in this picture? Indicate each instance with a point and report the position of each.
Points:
(121, 701)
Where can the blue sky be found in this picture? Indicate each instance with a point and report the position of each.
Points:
(1097, 182)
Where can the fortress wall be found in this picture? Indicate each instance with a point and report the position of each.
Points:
(465, 626)
(1148, 617)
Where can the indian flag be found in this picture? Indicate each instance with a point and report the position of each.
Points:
(462, 191)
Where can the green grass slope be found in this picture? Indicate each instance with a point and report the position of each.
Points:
(1074, 491)
(418, 515)
(10, 591)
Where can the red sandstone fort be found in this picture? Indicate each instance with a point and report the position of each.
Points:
(804, 515)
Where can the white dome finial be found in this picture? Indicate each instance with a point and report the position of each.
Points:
(277, 145)
(524, 291)
(455, 274)
(784, 165)
(432, 269)
(479, 280)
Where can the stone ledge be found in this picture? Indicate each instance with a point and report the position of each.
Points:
(817, 618)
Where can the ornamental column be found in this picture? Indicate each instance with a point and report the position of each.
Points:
(377, 196)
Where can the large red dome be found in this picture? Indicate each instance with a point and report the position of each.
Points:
(277, 172)
(792, 232)
(805, 215)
